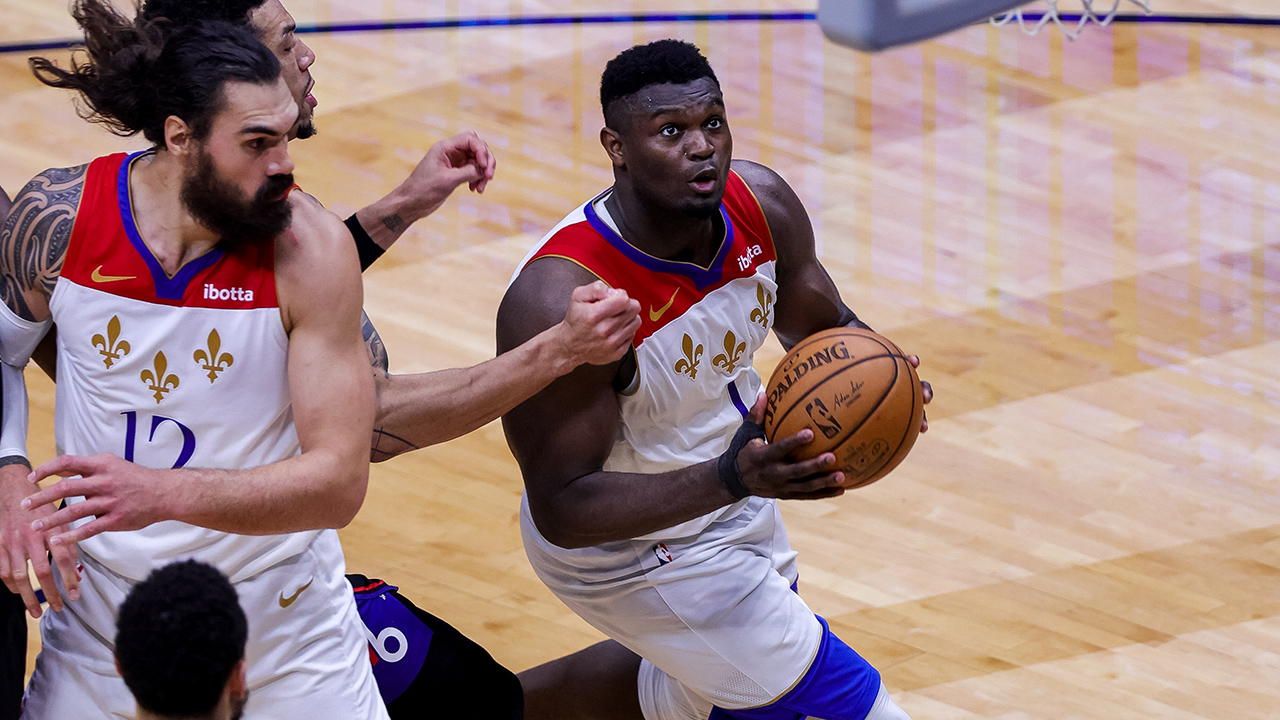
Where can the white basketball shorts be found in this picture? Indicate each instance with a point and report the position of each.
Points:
(716, 611)
(306, 657)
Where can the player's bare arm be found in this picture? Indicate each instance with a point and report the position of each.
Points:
(428, 408)
(562, 436)
(808, 300)
(33, 244)
(332, 397)
(463, 158)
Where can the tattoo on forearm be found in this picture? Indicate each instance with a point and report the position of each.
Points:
(387, 445)
(373, 343)
(394, 222)
(33, 242)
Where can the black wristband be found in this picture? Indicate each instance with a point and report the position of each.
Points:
(728, 464)
(15, 460)
(856, 323)
(368, 249)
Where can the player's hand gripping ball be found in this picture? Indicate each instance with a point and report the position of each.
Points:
(859, 395)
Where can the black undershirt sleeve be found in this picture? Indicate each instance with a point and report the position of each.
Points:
(369, 250)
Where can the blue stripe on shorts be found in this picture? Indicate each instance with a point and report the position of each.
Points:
(840, 685)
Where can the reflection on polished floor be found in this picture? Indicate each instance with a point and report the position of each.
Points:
(1080, 239)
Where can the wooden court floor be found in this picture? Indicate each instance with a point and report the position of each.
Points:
(1080, 239)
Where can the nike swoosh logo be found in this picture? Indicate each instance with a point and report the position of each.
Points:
(98, 277)
(287, 601)
(656, 315)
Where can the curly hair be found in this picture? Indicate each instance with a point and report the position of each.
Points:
(179, 636)
(659, 62)
(138, 72)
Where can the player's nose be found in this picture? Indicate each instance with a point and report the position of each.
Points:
(281, 165)
(306, 58)
(699, 145)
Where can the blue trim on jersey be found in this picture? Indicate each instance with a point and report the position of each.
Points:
(701, 277)
(168, 288)
(737, 399)
(839, 685)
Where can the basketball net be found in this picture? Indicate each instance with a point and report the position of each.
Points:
(1092, 11)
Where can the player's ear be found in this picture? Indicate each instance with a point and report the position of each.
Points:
(236, 687)
(177, 135)
(612, 142)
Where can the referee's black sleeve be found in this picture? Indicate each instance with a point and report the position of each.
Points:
(368, 249)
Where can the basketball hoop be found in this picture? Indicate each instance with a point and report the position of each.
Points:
(1052, 14)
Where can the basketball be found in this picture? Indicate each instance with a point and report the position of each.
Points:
(859, 395)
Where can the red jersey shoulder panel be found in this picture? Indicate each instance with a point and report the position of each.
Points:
(106, 253)
(667, 289)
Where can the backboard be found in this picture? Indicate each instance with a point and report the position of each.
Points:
(880, 24)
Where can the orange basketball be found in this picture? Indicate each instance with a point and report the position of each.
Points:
(858, 394)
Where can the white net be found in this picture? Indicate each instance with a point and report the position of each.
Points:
(1099, 12)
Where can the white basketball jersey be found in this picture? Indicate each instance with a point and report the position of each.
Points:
(170, 372)
(700, 328)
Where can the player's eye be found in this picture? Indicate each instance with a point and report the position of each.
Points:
(669, 130)
(715, 123)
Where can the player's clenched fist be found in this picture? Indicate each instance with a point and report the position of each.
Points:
(600, 324)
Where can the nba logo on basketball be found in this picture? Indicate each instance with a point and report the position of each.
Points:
(664, 555)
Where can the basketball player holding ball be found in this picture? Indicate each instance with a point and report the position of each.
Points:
(651, 503)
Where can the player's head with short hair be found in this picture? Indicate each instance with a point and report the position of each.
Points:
(180, 640)
(658, 63)
(275, 28)
(666, 130)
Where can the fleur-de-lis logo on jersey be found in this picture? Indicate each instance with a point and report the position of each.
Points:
(728, 361)
(108, 347)
(211, 360)
(760, 315)
(159, 382)
(688, 365)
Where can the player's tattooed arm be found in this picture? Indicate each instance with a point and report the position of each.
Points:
(377, 351)
(384, 444)
(463, 158)
(33, 241)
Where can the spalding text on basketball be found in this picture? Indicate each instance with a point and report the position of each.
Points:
(816, 359)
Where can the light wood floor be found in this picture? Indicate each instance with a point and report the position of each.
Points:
(1081, 240)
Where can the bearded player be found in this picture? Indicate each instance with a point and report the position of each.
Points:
(644, 511)
(214, 397)
(421, 409)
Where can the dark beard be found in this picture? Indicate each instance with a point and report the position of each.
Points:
(306, 129)
(220, 206)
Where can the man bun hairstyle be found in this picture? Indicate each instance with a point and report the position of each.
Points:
(179, 636)
(138, 73)
(662, 61)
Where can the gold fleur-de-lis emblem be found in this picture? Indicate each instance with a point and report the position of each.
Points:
(108, 347)
(733, 350)
(211, 360)
(688, 365)
(760, 315)
(159, 382)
